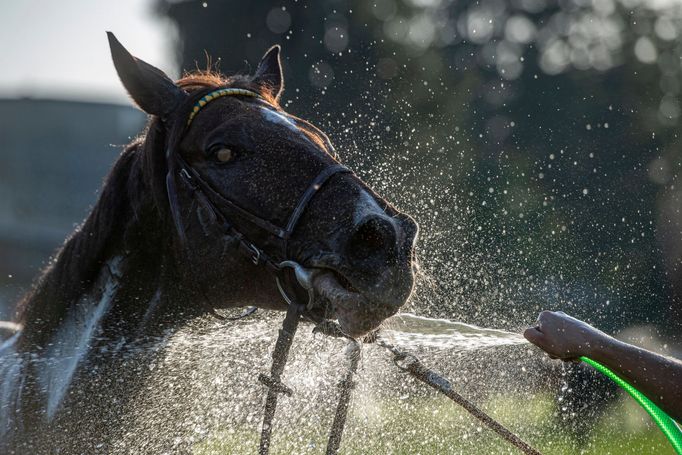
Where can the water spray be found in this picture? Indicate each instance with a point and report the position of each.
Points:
(410, 364)
(411, 323)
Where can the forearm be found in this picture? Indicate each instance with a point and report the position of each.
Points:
(656, 376)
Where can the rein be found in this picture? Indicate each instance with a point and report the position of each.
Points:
(409, 363)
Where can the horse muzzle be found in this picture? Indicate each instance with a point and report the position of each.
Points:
(327, 294)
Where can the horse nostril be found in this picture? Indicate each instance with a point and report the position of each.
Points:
(374, 236)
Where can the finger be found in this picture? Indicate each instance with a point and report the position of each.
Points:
(545, 314)
(543, 317)
(534, 335)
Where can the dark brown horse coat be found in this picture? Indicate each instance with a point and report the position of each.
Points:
(125, 274)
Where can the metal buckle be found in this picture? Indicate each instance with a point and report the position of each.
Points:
(256, 254)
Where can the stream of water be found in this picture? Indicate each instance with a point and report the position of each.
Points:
(408, 330)
(207, 381)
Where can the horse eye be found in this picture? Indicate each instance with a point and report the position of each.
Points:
(223, 154)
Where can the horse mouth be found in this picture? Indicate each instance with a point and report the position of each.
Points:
(357, 315)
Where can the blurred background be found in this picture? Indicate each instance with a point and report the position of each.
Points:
(536, 141)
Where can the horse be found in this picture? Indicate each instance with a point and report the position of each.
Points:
(224, 201)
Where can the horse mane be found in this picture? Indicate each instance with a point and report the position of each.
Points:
(207, 79)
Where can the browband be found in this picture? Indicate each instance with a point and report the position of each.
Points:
(219, 94)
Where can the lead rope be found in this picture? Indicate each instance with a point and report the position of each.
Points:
(275, 386)
(346, 387)
(411, 364)
(273, 382)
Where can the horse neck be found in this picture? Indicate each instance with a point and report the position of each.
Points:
(119, 246)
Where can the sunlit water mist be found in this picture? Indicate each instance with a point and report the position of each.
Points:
(196, 392)
(202, 395)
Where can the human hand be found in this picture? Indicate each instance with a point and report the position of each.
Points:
(564, 337)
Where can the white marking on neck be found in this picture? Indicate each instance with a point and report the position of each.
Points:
(11, 382)
(151, 307)
(9, 342)
(74, 337)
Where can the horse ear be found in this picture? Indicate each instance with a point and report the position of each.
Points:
(269, 72)
(153, 91)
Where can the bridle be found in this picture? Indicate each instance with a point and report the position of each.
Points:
(291, 278)
(288, 274)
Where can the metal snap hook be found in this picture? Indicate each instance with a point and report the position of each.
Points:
(255, 259)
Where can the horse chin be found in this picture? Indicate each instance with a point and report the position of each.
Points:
(356, 315)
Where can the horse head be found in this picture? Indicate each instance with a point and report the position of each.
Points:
(238, 173)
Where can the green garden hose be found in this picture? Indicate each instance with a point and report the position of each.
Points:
(663, 420)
